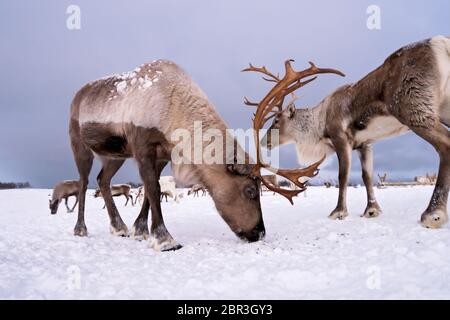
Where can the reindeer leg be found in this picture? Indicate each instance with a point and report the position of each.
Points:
(366, 156)
(83, 158)
(140, 226)
(76, 202)
(126, 197)
(67, 206)
(436, 213)
(161, 240)
(344, 154)
(110, 167)
(132, 204)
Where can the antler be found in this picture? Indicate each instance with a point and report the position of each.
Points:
(291, 82)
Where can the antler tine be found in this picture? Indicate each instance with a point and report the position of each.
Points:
(249, 103)
(263, 70)
(292, 175)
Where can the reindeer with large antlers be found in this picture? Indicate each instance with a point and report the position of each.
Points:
(409, 91)
(269, 107)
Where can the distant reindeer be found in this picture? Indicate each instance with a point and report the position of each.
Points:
(64, 190)
(409, 91)
(166, 194)
(134, 115)
(139, 196)
(327, 184)
(168, 190)
(195, 189)
(382, 179)
(117, 191)
(427, 180)
(433, 178)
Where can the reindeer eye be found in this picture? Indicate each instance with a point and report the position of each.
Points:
(250, 192)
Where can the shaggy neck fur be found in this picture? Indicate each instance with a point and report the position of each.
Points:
(308, 128)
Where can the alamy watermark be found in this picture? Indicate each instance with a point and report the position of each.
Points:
(374, 20)
(204, 145)
(73, 278)
(73, 21)
(373, 281)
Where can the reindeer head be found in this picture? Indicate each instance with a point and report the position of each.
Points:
(236, 196)
(273, 103)
(53, 205)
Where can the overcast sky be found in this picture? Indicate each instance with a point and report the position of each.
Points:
(43, 64)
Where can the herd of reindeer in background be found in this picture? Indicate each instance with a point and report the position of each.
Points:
(69, 188)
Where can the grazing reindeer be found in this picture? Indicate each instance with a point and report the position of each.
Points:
(117, 190)
(409, 91)
(195, 189)
(135, 115)
(64, 190)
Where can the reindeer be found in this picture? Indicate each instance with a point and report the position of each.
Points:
(382, 180)
(138, 115)
(195, 189)
(117, 190)
(167, 189)
(409, 91)
(139, 195)
(166, 194)
(64, 190)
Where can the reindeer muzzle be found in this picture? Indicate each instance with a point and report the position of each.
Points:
(258, 233)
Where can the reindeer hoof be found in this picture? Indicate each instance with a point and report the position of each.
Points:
(139, 233)
(338, 214)
(168, 244)
(434, 219)
(371, 212)
(121, 231)
(80, 231)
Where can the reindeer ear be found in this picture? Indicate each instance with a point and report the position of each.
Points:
(291, 110)
(240, 169)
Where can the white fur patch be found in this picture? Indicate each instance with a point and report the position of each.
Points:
(161, 246)
(135, 108)
(309, 152)
(135, 99)
(441, 50)
(118, 232)
(138, 237)
(380, 128)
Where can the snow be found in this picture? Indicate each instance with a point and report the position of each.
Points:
(121, 87)
(304, 255)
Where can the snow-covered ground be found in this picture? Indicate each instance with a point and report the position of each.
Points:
(304, 255)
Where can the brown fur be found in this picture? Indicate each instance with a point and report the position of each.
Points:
(117, 191)
(64, 190)
(195, 189)
(408, 91)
